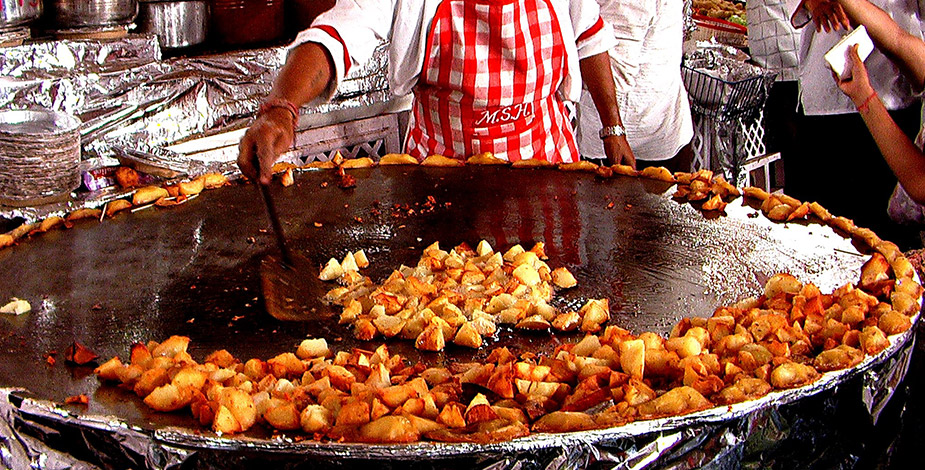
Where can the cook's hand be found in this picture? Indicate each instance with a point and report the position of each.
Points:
(828, 15)
(618, 151)
(268, 137)
(857, 84)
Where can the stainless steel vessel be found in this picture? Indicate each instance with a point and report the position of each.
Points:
(15, 13)
(177, 23)
(70, 14)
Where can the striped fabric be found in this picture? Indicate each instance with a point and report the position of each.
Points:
(489, 84)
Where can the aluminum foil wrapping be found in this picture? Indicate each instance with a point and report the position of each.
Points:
(133, 104)
(720, 64)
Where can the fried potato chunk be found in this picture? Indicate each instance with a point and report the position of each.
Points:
(564, 421)
(840, 357)
(792, 374)
(679, 400)
(388, 429)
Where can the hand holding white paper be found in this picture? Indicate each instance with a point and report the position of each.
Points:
(837, 56)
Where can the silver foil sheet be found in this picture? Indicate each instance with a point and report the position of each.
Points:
(133, 104)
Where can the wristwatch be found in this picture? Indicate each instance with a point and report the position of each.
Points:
(611, 131)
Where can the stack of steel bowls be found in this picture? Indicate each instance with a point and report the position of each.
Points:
(39, 156)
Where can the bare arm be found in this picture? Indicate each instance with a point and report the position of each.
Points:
(904, 158)
(902, 47)
(307, 74)
(595, 71)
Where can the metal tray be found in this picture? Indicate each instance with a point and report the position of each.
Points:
(192, 270)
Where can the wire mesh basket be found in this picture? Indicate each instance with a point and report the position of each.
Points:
(723, 89)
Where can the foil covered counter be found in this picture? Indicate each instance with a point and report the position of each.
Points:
(127, 96)
(192, 270)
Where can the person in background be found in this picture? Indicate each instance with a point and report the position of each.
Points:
(832, 163)
(904, 156)
(486, 77)
(646, 67)
(774, 45)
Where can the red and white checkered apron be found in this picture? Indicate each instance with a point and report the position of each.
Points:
(489, 84)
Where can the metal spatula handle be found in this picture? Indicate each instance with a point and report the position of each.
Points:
(274, 219)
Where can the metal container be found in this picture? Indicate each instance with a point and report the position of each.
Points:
(177, 23)
(70, 14)
(15, 13)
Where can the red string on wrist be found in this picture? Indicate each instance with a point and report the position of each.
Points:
(280, 103)
(865, 106)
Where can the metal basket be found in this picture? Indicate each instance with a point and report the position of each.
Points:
(720, 99)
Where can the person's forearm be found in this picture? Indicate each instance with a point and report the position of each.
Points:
(900, 153)
(889, 37)
(596, 73)
(307, 74)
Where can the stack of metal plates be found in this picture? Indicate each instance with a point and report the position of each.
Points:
(39, 154)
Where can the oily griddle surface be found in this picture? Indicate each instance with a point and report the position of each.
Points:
(193, 269)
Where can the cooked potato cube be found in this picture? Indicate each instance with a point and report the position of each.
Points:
(313, 347)
(564, 421)
(169, 397)
(633, 357)
(678, 400)
(792, 374)
(331, 271)
(468, 335)
(315, 419)
(389, 429)
(563, 278)
(224, 422)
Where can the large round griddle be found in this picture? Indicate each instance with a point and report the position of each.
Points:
(193, 269)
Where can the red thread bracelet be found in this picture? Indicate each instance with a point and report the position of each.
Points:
(280, 103)
(865, 106)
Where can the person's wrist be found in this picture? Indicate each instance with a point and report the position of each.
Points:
(860, 96)
(280, 108)
(863, 105)
(611, 131)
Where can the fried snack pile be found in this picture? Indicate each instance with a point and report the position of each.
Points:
(160, 196)
(723, 9)
(460, 296)
(785, 338)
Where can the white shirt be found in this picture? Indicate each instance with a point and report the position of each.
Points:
(363, 24)
(772, 41)
(646, 65)
(818, 92)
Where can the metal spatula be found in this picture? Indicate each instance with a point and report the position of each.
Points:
(290, 282)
